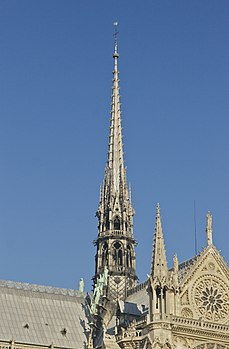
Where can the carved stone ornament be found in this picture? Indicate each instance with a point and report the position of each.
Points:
(187, 313)
(185, 298)
(211, 298)
(183, 343)
(211, 266)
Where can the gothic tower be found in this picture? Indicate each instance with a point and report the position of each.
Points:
(115, 241)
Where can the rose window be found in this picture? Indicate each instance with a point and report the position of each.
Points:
(210, 297)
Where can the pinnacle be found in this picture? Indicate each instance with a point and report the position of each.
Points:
(159, 262)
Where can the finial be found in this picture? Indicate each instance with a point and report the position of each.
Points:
(158, 214)
(175, 263)
(115, 40)
(12, 344)
(209, 228)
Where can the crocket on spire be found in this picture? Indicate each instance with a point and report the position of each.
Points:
(159, 263)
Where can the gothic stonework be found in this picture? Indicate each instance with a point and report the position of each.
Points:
(185, 298)
(211, 298)
(180, 342)
(185, 306)
(115, 241)
(186, 312)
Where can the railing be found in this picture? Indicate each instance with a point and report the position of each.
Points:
(199, 323)
(117, 233)
(129, 334)
(136, 332)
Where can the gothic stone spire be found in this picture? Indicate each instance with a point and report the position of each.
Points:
(159, 263)
(115, 242)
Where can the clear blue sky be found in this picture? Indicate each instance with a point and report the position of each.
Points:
(55, 86)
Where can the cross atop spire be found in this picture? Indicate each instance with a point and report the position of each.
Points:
(115, 162)
(159, 263)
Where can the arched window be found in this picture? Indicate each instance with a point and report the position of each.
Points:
(117, 254)
(158, 295)
(107, 224)
(104, 254)
(128, 257)
(117, 223)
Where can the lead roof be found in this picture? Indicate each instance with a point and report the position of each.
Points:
(43, 315)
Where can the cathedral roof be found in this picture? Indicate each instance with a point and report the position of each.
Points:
(42, 315)
(185, 266)
(139, 295)
(130, 308)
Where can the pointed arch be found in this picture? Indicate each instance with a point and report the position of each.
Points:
(118, 254)
(117, 223)
(104, 254)
(129, 256)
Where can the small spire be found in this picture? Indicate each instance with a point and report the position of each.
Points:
(175, 269)
(159, 262)
(175, 263)
(209, 228)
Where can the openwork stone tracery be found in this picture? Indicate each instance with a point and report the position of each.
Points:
(211, 300)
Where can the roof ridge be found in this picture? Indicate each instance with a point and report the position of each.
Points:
(40, 288)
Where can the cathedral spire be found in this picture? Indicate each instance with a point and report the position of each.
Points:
(159, 263)
(115, 242)
(115, 161)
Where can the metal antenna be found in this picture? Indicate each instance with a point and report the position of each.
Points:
(195, 227)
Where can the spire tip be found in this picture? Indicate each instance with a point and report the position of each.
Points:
(158, 210)
(115, 39)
